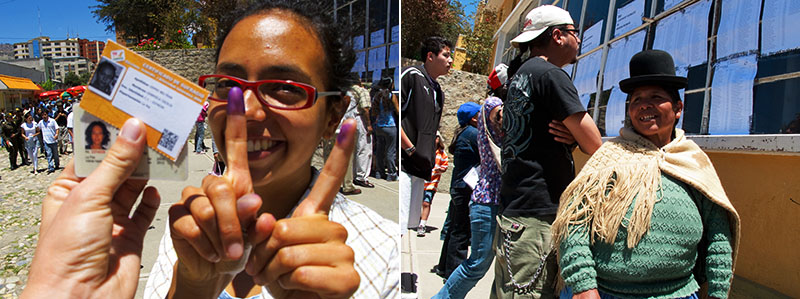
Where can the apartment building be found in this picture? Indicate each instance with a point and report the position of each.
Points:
(44, 47)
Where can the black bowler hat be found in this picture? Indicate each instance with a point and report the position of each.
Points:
(652, 67)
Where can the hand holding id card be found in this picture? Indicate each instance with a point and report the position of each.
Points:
(126, 85)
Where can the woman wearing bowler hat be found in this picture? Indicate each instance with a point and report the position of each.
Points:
(647, 215)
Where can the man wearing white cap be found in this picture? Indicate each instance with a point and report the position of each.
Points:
(537, 164)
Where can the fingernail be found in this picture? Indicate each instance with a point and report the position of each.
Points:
(247, 202)
(345, 131)
(235, 250)
(235, 101)
(214, 258)
(131, 130)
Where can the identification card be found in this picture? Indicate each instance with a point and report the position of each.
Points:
(93, 138)
(126, 85)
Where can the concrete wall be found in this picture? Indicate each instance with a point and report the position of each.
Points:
(189, 63)
(765, 190)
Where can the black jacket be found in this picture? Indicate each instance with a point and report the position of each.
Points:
(421, 109)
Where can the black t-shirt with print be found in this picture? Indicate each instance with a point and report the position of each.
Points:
(536, 168)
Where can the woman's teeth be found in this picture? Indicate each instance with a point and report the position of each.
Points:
(258, 145)
(647, 117)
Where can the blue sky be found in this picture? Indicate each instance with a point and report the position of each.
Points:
(19, 22)
(469, 9)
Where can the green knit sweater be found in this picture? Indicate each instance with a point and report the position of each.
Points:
(660, 265)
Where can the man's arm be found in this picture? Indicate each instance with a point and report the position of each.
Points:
(585, 132)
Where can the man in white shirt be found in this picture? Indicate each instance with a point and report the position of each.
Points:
(70, 126)
(49, 129)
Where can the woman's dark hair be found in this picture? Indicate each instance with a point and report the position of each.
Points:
(106, 134)
(381, 93)
(334, 37)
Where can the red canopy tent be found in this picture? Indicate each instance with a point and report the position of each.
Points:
(50, 93)
(76, 89)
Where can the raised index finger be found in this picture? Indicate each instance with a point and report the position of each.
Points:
(238, 173)
(321, 197)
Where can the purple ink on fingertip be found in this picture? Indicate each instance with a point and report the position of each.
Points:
(235, 101)
(346, 129)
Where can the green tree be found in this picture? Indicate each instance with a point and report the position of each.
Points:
(72, 79)
(84, 78)
(48, 85)
(425, 18)
(478, 42)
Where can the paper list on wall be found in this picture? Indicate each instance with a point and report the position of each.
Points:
(397, 78)
(779, 26)
(618, 57)
(586, 73)
(394, 55)
(684, 34)
(395, 34)
(670, 4)
(629, 17)
(376, 38)
(591, 37)
(738, 27)
(358, 42)
(732, 96)
(615, 112)
(683, 71)
(361, 58)
(376, 76)
(377, 58)
(568, 68)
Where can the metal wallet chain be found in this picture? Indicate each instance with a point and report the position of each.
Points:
(527, 287)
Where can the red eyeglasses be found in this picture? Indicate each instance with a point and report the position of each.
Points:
(278, 94)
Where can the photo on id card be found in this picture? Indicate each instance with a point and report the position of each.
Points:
(93, 139)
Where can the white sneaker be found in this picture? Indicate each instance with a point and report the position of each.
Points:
(421, 231)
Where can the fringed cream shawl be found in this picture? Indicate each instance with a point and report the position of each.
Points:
(629, 167)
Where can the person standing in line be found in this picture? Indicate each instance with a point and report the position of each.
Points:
(536, 165)
(61, 120)
(422, 101)
(384, 113)
(70, 127)
(362, 159)
(49, 130)
(200, 131)
(19, 119)
(485, 197)
(465, 157)
(29, 132)
(430, 186)
(10, 132)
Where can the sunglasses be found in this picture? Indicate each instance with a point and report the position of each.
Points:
(278, 94)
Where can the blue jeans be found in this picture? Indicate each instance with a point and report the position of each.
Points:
(51, 151)
(464, 278)
(200, 130)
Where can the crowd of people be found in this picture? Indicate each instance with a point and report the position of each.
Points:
(646, 216)
(38, 128)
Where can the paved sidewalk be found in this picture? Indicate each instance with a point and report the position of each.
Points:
(420, 254)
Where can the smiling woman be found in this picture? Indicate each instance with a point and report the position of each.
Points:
(647, 197)
(278, 89)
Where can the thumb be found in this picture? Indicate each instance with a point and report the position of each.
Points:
(120, 161)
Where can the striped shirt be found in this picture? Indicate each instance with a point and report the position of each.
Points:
(438, 168)
(372, 238)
